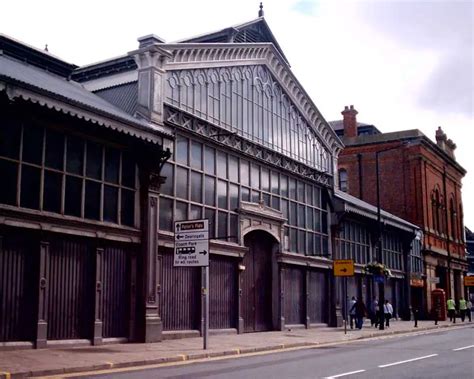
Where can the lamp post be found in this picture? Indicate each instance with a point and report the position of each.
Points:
(379, 237)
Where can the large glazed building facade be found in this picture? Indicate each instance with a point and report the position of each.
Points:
(216, 127)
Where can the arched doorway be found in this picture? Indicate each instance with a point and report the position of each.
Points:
(257, 281)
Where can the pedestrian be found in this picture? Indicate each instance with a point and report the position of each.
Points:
(415, 315)
(451, 305)
(388, 312)
(469, 309)
(436, 311)
(462, 308)
(360, 312)
(352, 311)
(374, 305)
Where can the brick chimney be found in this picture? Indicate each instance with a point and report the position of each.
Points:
(349, 121)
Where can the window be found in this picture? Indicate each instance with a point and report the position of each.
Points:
(343, 180)
(66, 174)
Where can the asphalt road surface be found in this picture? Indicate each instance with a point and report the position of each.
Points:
(441, 354)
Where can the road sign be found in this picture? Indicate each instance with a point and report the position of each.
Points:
(343, 267)
(434, 280)
(379, 278)
(469, 281)
(191, 243)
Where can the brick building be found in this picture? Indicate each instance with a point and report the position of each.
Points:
(419, 181)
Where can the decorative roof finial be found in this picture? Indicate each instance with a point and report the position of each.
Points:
(46, 47)
(260, 12)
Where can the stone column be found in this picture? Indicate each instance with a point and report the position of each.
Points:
(42, 323)
(98, 310)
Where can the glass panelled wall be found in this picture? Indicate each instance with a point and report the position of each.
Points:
(392, 250)
(248, 101)
(355, 242)
(205, 182)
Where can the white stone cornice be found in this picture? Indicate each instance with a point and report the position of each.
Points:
(206, 55)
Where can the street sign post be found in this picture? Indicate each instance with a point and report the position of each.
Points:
(191, 249)
(344, 268)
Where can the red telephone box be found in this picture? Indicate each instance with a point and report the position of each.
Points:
(438, 304)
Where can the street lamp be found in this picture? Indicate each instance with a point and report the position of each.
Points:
(379, 239)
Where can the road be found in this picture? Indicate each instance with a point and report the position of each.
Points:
(441, 354)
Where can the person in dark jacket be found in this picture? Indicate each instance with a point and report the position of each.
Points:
(360, 312)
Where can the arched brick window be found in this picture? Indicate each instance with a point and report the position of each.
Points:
(453, 217)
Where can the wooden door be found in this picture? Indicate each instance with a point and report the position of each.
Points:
(257, 283)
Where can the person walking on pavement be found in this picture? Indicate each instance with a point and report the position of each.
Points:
(360, 313)
(462, 308)
(352, 311)
(374, 305)
(468, 310)
(451, 305)
(388, 312)
(415, 315)
(436, 311)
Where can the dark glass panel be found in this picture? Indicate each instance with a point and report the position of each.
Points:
(210, 214)
(309, 218)
(317, 221)
(72, 201)
(210, 191)
(196, 187)
(32, 144)
(181, 212)
(310, 244)
(54, 156)
(112, 165)
(276, 202)
(300, 186)
(284, 209)
(166, 214)
(92, 200)
(10, 134)
(255, 176)
(222, 194)
(275, 183)
(255, 196)
(266, 199)
(234, 228)
(128, 171)
(233, 197)
(182, 150)
(317, 245)
(233, 169)
(324, 222)
(301, 216)
(222, 225)
(293, 240)
(325, 246)
(293, 219)
(245, 194)
(309, 194)
(52, 191)
(209, 160)
(94, 161)
(292, 189)
(182, 182)
(127, 216)
(265, 175)
(9, 175)
(244, 172)
(195, 212)
(167, 172)
(196, 155)
(30, 187)
(75, 155)
(284, 185)
(222, 164)
(110, 204)
(301, 242)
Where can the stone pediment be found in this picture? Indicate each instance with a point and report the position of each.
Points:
(261, 211)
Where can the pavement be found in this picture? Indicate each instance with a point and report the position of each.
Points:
(65, 360)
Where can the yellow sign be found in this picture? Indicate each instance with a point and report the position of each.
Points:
(343, 267)
(469, 281)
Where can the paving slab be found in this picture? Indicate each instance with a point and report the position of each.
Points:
(61, 360)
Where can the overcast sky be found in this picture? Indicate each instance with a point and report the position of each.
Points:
(402, 64)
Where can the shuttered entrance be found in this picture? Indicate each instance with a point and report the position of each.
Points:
(257, 282)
